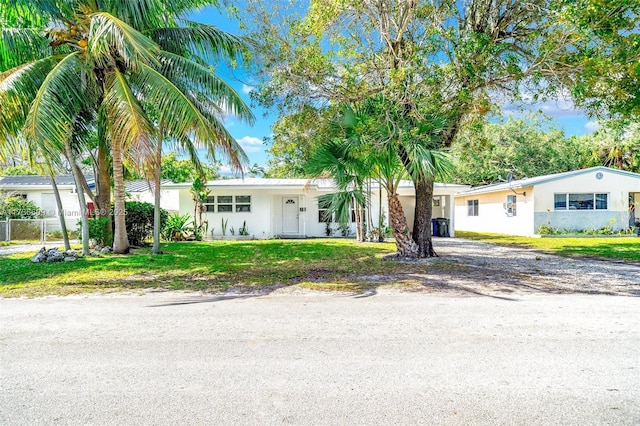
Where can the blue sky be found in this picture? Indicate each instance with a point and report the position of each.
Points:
(251, 138)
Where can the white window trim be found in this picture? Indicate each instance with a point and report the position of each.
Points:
(568, 209)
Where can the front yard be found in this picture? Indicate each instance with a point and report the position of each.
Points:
(464, 267)
(199, 266)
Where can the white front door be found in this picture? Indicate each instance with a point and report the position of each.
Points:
(290, 216)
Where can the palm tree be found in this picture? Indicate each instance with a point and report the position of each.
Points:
(124, 62)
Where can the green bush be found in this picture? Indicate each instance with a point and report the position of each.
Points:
(176, 227)
(139, 221)
(19, 208)
(97, 230)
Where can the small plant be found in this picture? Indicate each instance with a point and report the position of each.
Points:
(548, 230)
(243, 231)
(176, 227)
(232, 231)
(328, 229)
(224, 226)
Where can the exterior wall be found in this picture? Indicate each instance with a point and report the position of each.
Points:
(492, 216)
(266, 217)
(617, 187)
(169, 199)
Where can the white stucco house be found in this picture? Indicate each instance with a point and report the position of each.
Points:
(39, 190)
(577, 200)
(289, 207)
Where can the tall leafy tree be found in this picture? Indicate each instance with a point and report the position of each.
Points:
(528, 146)
(129, 68)
(436, 62)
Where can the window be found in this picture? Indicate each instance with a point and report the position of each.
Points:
(225, 204)
(243, 203)
(560, 201)
(472, 208)
(510, 205)
(580, 201)
(323, 214)
(209, 204)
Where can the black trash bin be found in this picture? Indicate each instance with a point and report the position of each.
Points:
(443, 227)
(434, 227)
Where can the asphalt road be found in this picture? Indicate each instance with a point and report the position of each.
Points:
(318, 358)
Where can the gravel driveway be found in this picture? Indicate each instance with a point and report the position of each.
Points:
(471, 267)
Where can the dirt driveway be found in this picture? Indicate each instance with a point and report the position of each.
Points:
(471, 267)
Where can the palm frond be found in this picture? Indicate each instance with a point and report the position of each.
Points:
(108, 34)
(182, 118)
(202, 40)
(18, 88)
(21, 45)
(191, 76)
(33, 12)
(129, 126)
(55, 105)
(431, 163)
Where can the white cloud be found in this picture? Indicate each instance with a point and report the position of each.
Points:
(592, 126)
(251, 144)
(246, 88)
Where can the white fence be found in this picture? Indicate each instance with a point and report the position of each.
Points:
(35, 230)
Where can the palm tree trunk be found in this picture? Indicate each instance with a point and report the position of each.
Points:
(422, 217)
(84, 220)
(103, 186)
(120, 239)
(63, 224)
(405, 245)
(156, 197)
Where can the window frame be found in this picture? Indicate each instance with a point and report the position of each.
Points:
(511, 205)
(473, 207)
(228, 204)
(595, 201)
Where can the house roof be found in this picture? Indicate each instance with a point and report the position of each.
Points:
(320, 184)
(143, 185)
(528, 182)
(33, 182)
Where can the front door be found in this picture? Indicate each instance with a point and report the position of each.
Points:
(290, 216)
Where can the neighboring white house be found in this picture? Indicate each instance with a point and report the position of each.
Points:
(578, 200)
(39, 190)
(290, 208)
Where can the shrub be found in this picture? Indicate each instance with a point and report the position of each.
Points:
(139, 221)
(97, 230)
(19, 208)
(176, 227)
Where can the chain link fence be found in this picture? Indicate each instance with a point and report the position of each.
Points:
(30, 231)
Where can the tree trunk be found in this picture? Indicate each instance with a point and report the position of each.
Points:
(422, 216)
(156, 198)
(120, 239)
(84, 220)
(405, 245)
(103, 197)
(63, 224)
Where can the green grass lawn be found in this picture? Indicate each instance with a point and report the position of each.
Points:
(623, 248)
(199, 266)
